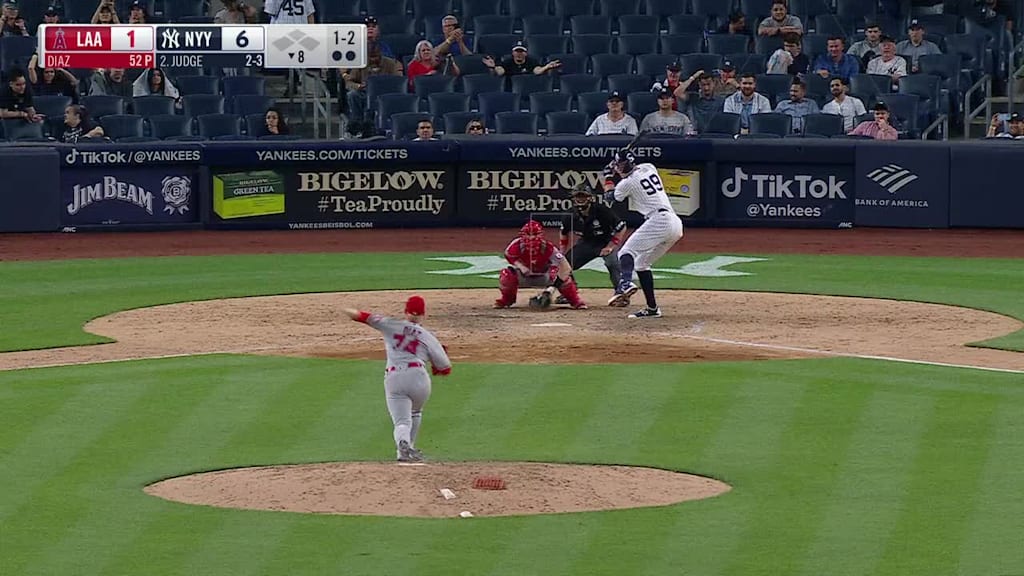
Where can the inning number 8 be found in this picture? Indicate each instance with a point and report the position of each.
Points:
(652, 185)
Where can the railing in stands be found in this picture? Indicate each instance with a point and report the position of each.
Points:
(941, 122)
(314, 95)
(983, 83)
(1015, 62)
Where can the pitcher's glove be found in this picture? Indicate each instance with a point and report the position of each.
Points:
(541, 301)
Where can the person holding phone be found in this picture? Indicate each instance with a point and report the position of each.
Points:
(454, 42)
(1015, 123)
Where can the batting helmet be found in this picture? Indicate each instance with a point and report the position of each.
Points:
(624, 161)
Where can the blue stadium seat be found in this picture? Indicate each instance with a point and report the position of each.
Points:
(823, 124)
(641, 104)
(394, 103)
(238, 85)
(590, 44)
(471, 64)
(590, 24)
(711, 8)
(178, 72)
(664, 8)
(497, 45)
(402, 45)
(152, 105)
(173, 11)
(926, 87)
(118, 126)
(380, 8)
(199, 104)
(541, 23)
(543, 45)
(490, 103)
(605, 65)
(571, 63)
(246, 104)
(723, 123)
(165, 126)
(339, 10)
(427, 8)
(616, 8)
(256, 125)
(16, 51)
(748, 63)
(686, 24)
(946, 67)
(455, 122)
(815, 44)
(137, 140)
(767, 44)
(772, 84)
(679, 44)
(216, 125)
(521, 10)
(639, 24)
(756, 10)
(442, 103)
(728, 43)
(971, 49)
(807, 10)
(771, 123)
(854, 9)
(188, 85)
(832, 25)
(403, 124)
(543, 102)
(526, 84)
(817, 85)
(636, 44)
(492, 24)
(516, 123)
(473, 8)
(592, 103)
(575, 84)
(395, 24)
(425, 85)
(570, 8)
(691, 63)
(653, 65)
(54, 106)
(476, 84)
(870, 84)
(101, 105)
(567, 123)
(629, 83)
(905, 108)
(380, 84)
(20, 131)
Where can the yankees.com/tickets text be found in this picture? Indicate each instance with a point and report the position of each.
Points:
(373, 203)
(347, 154)
(602, 152)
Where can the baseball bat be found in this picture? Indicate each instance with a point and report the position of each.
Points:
(636, 140)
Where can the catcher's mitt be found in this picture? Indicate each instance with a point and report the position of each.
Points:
(541, 301)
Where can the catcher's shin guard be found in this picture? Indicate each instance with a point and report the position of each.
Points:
(571, 293)
(508, 285)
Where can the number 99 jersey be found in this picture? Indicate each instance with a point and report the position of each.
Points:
(644, 189)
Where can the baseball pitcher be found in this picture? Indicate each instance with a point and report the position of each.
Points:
(409, 347)
(661, 229)
(534, 262)
(599, 232)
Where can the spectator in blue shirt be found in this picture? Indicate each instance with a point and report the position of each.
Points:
(836, 63)
(373, 38)
(797, 106)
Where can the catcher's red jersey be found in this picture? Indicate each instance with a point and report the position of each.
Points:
(538, 261)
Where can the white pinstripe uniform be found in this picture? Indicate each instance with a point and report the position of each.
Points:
(289, 11)
(661, 228)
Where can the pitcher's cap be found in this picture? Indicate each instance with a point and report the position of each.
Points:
(415, 305)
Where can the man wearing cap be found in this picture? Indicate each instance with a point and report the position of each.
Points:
(879, 128)
(888, 63)
(1016, 127)
(373, 39)
(13, 23)
(869, 47)
(849, 107)
(235, 12)
(666, 120)
(614, 121)
(836, 63)
(916, 46)
(137, 13)
(519, 62)
(673, 84)
(726, 84)
(454, 41)
(50, 16)
(798, 105)
(290, 11)
(700, 107)
(780, 22)
(747, 101)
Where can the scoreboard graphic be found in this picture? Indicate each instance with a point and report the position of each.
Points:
(198, 45)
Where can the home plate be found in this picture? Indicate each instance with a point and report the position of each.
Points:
(551, 325)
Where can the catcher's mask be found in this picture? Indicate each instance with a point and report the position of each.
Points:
(624, 161)
(581, 197)
(532, 235)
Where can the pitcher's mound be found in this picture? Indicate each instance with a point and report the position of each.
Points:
(392, 489)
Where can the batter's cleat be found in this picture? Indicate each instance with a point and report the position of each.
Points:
(499, 304)
(561, 300)
(622, 303)
(646, 313)
(407, 453)
(623, 294)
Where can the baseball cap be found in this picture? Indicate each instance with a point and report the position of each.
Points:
(727, 66)
(615, 96)
(674, 67)
(370, 21)
(880, 106)
(138, 4)
(664, 93)
(415, 305)
(1015, 118)
(10, 4)
(915, 25)
(51, 11)
(520, 46)
(884, 38)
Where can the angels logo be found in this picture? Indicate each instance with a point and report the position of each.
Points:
(176, 191)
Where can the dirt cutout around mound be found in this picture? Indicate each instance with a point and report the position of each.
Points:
(698, 326)
(392, 489)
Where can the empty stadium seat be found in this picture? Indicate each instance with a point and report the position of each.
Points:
(53, 106)
(590, 24)
(628, 83)
(574, 84)
(475, 84)
(724, 123)
(541, 24)
(905, 108)
(441, 103)
(616, 8)
(748, 63)
(691, 63)
(639, 24)
(567, 123)
(497, 45)
(246, 104)
(526, 84)
(164, 126)
(394, 103)
(200, 104)
(605, 65)
(823, 124)
(492, 24)
(425, 85)
(543, 45)
(641, 104)
(380, 84)
(592, 103)
(870, 84)
(490, 103)
(636, 44)
(543, 102)
(728, 43)
(19, 131)
(216, 125)
(471, 64)
(653, 65)
(516, 123)
(686, 24)
(402, 45)
(679, 44)
(590, 44)
(118, 126)
(571, 63)
(256, 125)
(100, 105)
(455, 122)
(771, 123)
(152, 105)
(570, 8)
(473, 8)
(772, 84)
(188, 85)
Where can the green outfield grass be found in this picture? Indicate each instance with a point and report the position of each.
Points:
(839, 466)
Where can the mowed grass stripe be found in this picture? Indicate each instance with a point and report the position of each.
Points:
(793, 498)
(945, 478)
(746, 446)
(992, 543)
(29, 404)
(198, 445)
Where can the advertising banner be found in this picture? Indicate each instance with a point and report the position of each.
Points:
(30, 191)
(338, 154)
(295, 198)
(590, 152)
(792, 195)
(905, 185)
(120, 196)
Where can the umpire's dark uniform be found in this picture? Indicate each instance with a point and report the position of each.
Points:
(594, 228)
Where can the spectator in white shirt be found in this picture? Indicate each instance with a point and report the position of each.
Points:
(888, 64)
(615, 120)
(747, 101)
(1015, 123)
(849, 107)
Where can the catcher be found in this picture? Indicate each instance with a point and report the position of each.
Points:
(600, 232)
(535, 262)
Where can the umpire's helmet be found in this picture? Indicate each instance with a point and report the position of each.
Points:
(581, 195)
